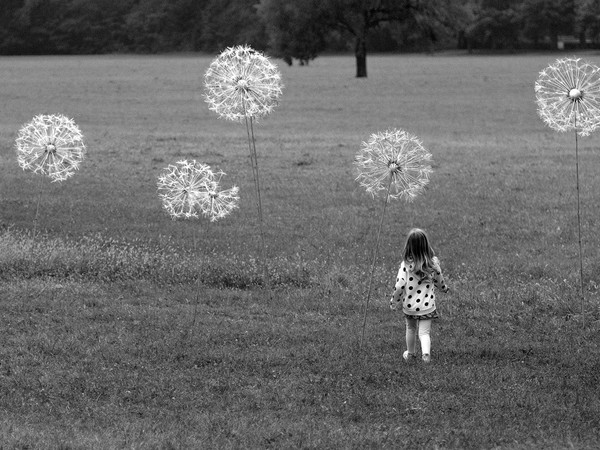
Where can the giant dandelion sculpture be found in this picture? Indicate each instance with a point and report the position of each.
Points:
(393, 163)
(217, 203)
(189, 190)
(243, 85)
(568, 99)
(180, 187)
(50, 145)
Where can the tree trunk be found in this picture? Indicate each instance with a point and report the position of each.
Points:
(361, 57)
(554, 39)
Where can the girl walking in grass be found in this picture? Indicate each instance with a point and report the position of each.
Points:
(419, 275)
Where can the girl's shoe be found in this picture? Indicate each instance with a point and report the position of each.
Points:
(426, 358)
(408, 356)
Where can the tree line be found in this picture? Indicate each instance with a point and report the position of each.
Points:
(292, 29)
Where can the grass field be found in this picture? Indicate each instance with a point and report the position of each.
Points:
(107, 341)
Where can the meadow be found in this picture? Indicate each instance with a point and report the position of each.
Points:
(108, 342)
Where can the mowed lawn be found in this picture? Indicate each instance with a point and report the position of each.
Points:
(109, 342)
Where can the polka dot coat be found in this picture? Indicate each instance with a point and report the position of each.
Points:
(417, 295)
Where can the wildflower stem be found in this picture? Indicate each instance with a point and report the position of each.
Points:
(387, 197)
(254, 164)
(579, 221)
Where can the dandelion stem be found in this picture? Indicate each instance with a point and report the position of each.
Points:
(254, 164)
(194, 237)
(387, 197)
(579, 222)
(208, 225)
(37, 207)
(196, 301)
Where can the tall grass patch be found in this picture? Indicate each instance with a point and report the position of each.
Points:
(98, 258)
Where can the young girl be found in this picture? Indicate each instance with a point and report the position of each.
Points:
(418, 276)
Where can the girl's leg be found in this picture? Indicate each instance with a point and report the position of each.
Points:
(424, 337)
(411, 332)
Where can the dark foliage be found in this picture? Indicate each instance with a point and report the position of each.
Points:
(292, 29)
(109, 26)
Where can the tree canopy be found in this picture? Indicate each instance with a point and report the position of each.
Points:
(293, 29)
(296, 29)
(359, 17)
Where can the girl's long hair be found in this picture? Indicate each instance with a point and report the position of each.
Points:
(419, 253)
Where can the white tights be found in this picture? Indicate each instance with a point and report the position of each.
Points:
(424, 327)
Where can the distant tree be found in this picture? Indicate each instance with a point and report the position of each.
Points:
(497, 24)
(146, 24)
(587, 20)
(93, 26)
(65, 26)
(550, 18)
(184, 23)
(357, 19)
(232, 22)
(100, 26)
(9, 29)
(34, 25)
(435, 27)
(296, 29)
(159, 26)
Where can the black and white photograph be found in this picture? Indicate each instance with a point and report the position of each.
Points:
(299, 224)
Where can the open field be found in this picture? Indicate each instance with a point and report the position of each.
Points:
(107, 342)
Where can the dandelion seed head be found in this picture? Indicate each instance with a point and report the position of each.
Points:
(396, 159)
(218, 202)
(181, 187)
(189, 189)
(568, 96)
(242, 83)
(51, 145)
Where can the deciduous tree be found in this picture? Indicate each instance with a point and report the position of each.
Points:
(296, 29)
(232, 22)
(497, 24)
(357, 18)
(588, 19)
(550, 18)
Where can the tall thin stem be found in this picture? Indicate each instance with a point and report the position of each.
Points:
(194, 237)
(254, 164)
(197, 295)
(212, 201)
(387, 197)
(196, 301)
(37, 207)
(579, 223)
